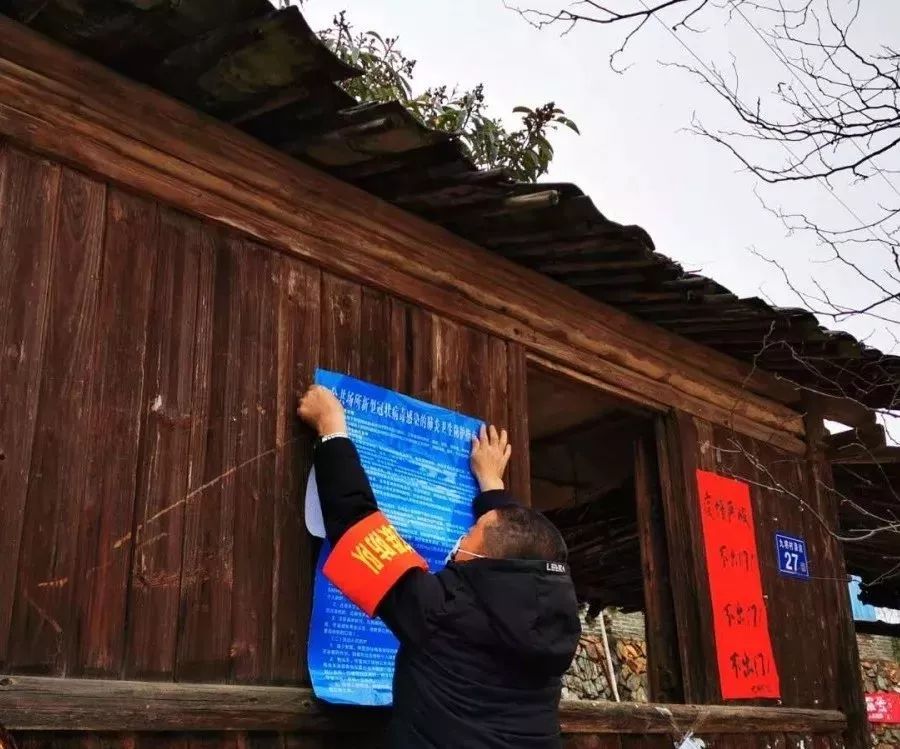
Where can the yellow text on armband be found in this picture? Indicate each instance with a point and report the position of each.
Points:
(379, 546)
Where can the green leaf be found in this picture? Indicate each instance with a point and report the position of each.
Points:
(389, 75)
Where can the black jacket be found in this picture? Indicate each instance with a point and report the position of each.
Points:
(483, 644)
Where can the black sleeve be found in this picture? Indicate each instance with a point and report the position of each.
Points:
(346, 497)
(491, 500)
(410, 608)
(413, 604)
(344, 491)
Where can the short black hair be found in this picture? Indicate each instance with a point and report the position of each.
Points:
(523, 533)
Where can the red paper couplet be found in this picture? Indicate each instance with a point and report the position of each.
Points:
(883, 707)
(369, 558)
(741, 627)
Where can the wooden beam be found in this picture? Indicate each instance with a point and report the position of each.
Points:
(868, 438)
(678, 720)
(59, 103)
(32, 703)
(845, 411)
(655, 400)
(49, 704)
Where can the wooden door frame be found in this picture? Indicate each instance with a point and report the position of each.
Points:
(664, 667)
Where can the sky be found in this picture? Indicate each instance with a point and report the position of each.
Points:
(636, 157)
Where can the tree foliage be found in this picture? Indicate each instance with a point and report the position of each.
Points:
(524, 152)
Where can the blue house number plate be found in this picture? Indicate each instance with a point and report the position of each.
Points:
(791, 553)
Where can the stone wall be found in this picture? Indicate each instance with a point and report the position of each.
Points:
(878, 648)
(882, 676)
(587, 677)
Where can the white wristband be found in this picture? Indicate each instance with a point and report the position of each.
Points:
(333, 436)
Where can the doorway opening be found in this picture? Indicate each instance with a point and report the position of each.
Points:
(594, 473)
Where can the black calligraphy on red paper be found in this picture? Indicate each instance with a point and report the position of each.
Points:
(740, 622)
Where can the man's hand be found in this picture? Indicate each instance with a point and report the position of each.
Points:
(321, 410)
(490, 454)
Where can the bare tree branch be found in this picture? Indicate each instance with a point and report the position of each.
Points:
(832, 120)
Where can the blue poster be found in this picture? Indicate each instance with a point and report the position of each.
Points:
(791, 553)
(417, 458)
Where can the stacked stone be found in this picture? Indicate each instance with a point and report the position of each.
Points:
(587, 679)
(631, 670)
(882, 676)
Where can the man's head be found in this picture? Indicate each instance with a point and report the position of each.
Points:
(513, 532)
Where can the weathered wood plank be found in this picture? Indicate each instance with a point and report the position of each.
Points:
(583, 741)
(663, 664)
(828, 555)
(299, 326)
(641, 717)
(401, 345)
(29, 190)
(214, 741)
(201, 403)
(677, 450)
(44, 704)
(219, 173)
(517, 388)
(105, 529)
(254, 495)
(165, 460)
(58, 471)
(850, 698)
(341, 310)
(421, 345)
(371, 739)
(473, 373)
(378, 347)
(154, 741)
(205, 596)
(447, 357)
(497, 371)
(650, 741)
(462, 373)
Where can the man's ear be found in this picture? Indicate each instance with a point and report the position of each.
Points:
(478, 536)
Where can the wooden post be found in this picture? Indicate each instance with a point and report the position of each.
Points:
(677, 445)
(663, 667)
(850, 689)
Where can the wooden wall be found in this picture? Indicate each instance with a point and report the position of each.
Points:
(809, 620)
(151, 465)
(152, 462)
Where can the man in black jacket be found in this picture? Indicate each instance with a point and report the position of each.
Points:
(484, 642)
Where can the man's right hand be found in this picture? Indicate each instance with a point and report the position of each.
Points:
(320, 409)
(490, 454)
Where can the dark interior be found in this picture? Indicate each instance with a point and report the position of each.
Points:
(583, 477)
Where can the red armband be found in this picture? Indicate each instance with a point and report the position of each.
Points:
(368, 559)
